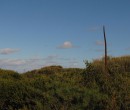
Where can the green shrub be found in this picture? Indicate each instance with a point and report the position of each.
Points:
(57, 88)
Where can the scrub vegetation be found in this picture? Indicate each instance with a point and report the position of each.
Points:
(58, 88)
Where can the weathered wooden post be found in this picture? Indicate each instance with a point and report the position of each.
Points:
(105, 42)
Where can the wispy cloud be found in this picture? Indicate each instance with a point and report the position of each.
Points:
(73, 63)
(7, 51)
(51, 60)
(99, 43)
(11, 62)
(66, 45)
(22, 65)
(94, 28)
(99, 50)
(51, 57)
(128, 48)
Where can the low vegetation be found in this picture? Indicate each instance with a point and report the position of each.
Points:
(57, 88)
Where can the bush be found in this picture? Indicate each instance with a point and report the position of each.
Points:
(56, 88)
(114, 82)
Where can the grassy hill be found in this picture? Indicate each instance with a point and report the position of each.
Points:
(58, 88)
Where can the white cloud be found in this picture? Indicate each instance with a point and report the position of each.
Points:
(66, 45)
(7, 51)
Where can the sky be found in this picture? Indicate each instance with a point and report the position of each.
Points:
(38, 33)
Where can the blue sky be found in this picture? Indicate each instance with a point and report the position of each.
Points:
(37, 33)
